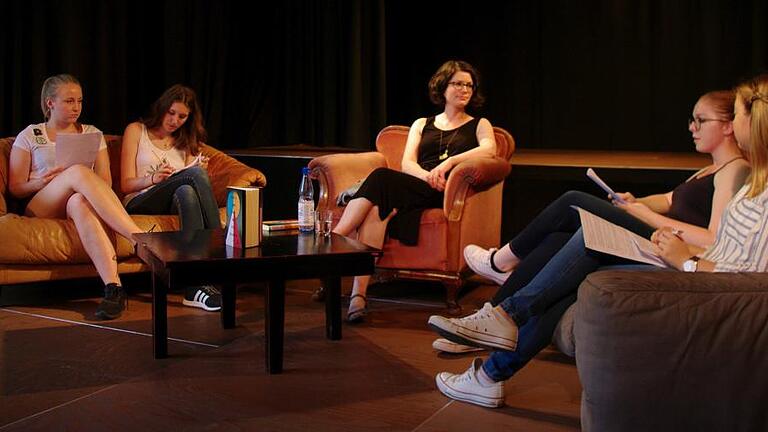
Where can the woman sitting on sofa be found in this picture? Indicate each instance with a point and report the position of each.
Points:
(391, 202)
(693, 208)
(82, 194)
(164, 172)
(739, 246)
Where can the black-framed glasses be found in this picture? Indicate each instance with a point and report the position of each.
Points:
(697, 121)
(458, 85)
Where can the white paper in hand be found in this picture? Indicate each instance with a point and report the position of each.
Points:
(195, 162)
(593, 175)
(77, 148)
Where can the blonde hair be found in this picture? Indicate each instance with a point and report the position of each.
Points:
(51, 87)
(753, 94)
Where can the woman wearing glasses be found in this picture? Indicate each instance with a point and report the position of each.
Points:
(391, 202)
(522, 324)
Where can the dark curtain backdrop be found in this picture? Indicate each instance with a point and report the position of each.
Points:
(267, 73)
(610, 74)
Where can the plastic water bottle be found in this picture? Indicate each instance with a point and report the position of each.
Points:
(306, 202)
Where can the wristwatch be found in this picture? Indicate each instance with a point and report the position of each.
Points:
(691, 264)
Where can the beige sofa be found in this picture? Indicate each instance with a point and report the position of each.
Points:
(36, 249)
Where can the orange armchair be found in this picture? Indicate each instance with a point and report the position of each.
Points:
(471, 212)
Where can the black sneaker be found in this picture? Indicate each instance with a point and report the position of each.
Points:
(113, 303)
(204, 297)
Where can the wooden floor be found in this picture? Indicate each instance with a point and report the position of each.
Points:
(62, 370)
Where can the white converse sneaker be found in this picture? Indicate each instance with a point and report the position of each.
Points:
(466, 387)
(446, 346)
(486, 328)
(479, 260)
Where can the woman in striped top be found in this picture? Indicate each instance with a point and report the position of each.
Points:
(741, 244)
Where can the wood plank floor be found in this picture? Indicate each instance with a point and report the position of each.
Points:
(62, 370)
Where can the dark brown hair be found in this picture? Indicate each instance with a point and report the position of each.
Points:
(439, 82)
(192, 133)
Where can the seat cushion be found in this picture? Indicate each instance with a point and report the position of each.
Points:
(563, 335)
(433, 235)
(55, 241)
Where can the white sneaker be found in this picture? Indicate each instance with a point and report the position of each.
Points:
(479, 260)
(446, 346)
(486, 328)
(466, 387)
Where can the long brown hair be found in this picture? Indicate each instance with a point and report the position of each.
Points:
(753, 94)
(192, 133)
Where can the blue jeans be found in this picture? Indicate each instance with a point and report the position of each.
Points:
(538, 306)
(188, 194)
(559, 216)
(529, 267)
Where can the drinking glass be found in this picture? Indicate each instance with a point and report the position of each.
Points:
(323, 223)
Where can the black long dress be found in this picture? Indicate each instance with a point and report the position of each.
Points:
(390, 189)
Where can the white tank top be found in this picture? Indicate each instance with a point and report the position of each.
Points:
(149, 157)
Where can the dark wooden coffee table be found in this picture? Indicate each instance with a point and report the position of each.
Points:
(179, 259)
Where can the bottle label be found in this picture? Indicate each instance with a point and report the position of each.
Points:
(306, 215)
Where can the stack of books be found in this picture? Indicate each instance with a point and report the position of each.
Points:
(280, 225)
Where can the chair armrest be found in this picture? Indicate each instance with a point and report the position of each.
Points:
(337, 172)
(653, 347)
(224, 170)
(470, 176)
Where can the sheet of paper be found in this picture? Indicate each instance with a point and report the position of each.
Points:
(606, 237)
(77, 148)
(595, 178)
(196, 161)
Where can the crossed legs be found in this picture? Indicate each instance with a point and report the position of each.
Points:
(81, 195)
(362, 216)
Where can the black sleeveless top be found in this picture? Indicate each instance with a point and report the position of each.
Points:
(436, 142)
(692, 200)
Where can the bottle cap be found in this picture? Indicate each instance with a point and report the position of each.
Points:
(305, 171)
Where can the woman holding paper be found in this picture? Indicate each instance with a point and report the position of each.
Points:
(164, 172)
(522, 324)
(391, 202)
(693, 208)
(79, 193)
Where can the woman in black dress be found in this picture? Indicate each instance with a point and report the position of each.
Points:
(390, 202)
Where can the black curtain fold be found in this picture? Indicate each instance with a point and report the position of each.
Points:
(597, 74)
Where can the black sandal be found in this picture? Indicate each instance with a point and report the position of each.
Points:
(357, 315)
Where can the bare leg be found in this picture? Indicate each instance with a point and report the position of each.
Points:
(94, 238)
(372, 233)
(353, 217)
(51, 201)
(504, 259)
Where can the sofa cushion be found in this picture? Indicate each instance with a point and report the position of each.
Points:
(563, 335)
(673, 351)
(55, 241)
(433, 235)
